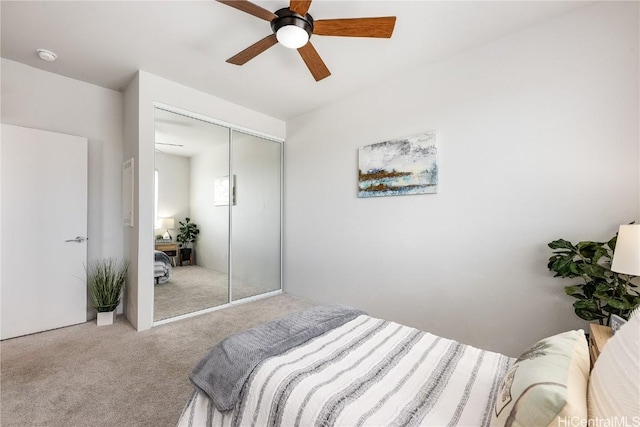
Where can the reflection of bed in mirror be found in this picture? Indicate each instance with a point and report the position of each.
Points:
(162, 268)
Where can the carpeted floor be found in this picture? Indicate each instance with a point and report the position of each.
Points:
(86, 375)
(193, 288)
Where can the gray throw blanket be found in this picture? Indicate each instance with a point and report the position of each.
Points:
(161, 256)
(221, 374)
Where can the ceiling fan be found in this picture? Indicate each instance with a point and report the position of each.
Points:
(292, 27)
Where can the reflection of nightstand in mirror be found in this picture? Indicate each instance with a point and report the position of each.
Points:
(170, 249)
(598, 337)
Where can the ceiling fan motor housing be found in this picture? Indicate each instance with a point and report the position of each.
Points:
(288, 17)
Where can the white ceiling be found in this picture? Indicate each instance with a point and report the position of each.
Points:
(105, 42)
(185, 136)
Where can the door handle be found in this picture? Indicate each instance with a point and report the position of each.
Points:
(78, 239)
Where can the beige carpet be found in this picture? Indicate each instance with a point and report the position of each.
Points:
(86, 375)
(193, 288)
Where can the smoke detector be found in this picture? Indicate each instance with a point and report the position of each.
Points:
(46, 55)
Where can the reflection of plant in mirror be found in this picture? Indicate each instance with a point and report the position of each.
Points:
(604, 292)
(187, 233)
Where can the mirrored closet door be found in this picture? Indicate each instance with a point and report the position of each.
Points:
(228, 184)
(255, 215)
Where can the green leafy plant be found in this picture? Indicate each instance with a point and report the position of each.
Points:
(187, 233)
(604, 292)
(107, 278)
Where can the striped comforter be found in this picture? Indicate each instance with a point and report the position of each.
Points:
(367, 372)
(162, 269)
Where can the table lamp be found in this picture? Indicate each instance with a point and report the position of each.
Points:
(626, 257)
(167, 223)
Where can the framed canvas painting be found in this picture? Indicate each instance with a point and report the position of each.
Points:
(399, 167)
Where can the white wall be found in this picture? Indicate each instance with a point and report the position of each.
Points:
(255, 216)
(41, 100)
(173, 189)
(213, 221)
(140, 96)
(131, 131)
(539, 140)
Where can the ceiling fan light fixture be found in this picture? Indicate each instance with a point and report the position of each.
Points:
(292, 30)
(292, 36)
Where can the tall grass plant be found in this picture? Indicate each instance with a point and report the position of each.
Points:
(107, 279)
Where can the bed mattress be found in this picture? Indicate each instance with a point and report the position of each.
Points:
(367, 372)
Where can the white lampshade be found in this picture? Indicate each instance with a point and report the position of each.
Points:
(626, 257)
(292, 36)
(168, 223)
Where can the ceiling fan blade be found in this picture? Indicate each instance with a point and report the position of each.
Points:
(250, 8)
(355, 27)
(314, 63)
(301, 7)
(253, 50)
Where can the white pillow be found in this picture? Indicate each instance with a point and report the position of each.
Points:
(547, 385)
(614, 385)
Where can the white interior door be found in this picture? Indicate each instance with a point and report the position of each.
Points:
(43, 227)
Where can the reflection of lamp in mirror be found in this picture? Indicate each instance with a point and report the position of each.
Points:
(626, 257)
(167, 224)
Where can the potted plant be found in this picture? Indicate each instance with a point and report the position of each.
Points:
(106, 278)
(187, 235)
(603, 292)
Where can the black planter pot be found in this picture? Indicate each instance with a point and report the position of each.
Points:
(185, 254)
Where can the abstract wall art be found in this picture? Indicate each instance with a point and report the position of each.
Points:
(399, 167)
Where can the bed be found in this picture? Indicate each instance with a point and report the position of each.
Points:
(319, 368)
(162, 267)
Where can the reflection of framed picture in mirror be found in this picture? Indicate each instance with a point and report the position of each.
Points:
(616, 322)
(221, 191)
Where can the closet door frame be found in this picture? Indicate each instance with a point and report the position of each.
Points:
(231, 127)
